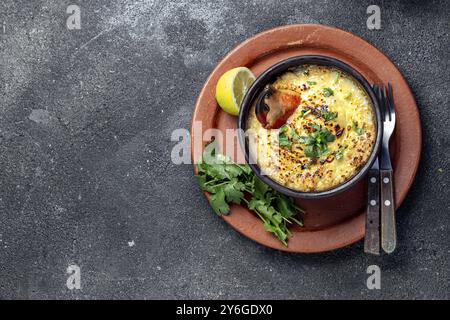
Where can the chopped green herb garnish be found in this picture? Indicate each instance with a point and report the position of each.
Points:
(284, 128)
(316, 143)
(327, 92)
(348, 95)
(340, 153)
(283, 138)
(337, 76)
(305, 113)
(307, 140)
(306, 72)
(284, 141)
(357, 129)
(310, 151)
(228, 182)
(311, 83)
(295, 136)
(316, 127)
(328, 115)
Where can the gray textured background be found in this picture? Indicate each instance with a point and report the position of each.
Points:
(85, 170)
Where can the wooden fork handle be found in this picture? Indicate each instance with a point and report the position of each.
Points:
(388, 228)
(372, 236)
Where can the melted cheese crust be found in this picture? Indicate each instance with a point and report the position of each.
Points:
(290, 166)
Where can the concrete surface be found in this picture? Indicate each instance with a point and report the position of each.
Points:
(85, 170)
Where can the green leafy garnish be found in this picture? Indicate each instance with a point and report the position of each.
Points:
(327, 92)
(287, 136)
(316, 144)
(337, 76)
(305, 113)
(357, 129)
(328, 115)
(295, 136)
(316, 127)
(284, 128)
(311, 83)
(284, 141)
(283, 138)
(218, 203)
(340, 153)
(228, 182)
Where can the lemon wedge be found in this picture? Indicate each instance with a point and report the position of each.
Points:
(231, 89)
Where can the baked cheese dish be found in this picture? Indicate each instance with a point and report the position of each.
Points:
(328, 137)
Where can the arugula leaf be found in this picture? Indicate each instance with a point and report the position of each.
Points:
(357, 129)
(327, 92)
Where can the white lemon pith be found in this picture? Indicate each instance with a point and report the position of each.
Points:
(231, 89)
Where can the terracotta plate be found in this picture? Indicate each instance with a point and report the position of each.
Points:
(332, 222)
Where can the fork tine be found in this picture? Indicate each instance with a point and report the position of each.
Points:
(382, 103)
(376, 89)
(391, 102)
(388, 102)
(387, 113)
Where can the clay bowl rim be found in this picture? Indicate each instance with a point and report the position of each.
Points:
(269, 76)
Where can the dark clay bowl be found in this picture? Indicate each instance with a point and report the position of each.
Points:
(268, 77)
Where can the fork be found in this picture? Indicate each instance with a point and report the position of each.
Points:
(372, 235)
(388, 228)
